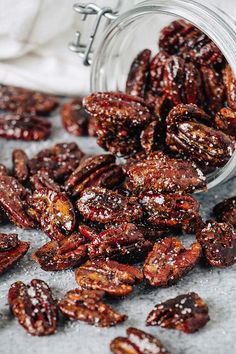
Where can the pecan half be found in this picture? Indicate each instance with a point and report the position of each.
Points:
(98, 170)
(168, 211)
(88, 232)
(20, 165)
(54, 212)
(230, 83)
(59, 161)
(75, 118)
(202, 144)
(87, 305)
(14, 201)
(137, 342)
(20, 100)
(162, 174)
(187, 313)
(63, 254)
(34, 307)
(169, 261)
(157, 71)
(112, 277)
(225, 120)
(153, 136)
(173, 76)
(11, 251)
(24, 127)
(120, 119)
(225, 211)
(43, 179)
(218, 241)
(3, 170)
(124, 243)
(136, 83)
(105, 206)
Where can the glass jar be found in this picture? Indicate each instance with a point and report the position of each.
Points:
(138, 28)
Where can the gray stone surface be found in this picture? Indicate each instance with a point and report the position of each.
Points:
(216, 286)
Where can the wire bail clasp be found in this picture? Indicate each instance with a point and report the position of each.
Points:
(85, 50)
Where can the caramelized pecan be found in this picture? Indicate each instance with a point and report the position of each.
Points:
(98, 170)
(24, 127)
(54, 212)
(14, 201)
(225, 120)
(11, 251)
(152, 137)
(187, 313)
(8, 241)
(137, 342)
(34, 307)
(43, 179)
(124, 243)
(169, 261)
(218, 241)
(59, 161)
(120, 119)
(157, 71)
(20, 100)
(3, 170)
(63, 254)
(20, 165)
(168, 211)
(105, 206)
(230, 83)
(173, 77)
(136, 83)
(112, 277)
(226, 211)
(75, 119)
(87, 305)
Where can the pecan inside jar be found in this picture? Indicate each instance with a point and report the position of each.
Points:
(114, 278)
(137, 342)
(230, 83)
(34, 307)
(225, 120)
(169, 261)
(225, 211)
(105, 206)
(218, 241)
(87, 305)
(187, 313)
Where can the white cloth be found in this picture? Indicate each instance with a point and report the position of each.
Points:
(33, 44)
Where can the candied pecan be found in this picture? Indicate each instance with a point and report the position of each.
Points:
(156, 72)
(44, 179)
(192, 85)
(75, 118)
(137, 342)
(20, 100)
(218, 241)
(92, 131)
(225, 120)
(63, 254)
(112, 277)
(136, 83)
(87, 232)
(173, 77)
(202, 144)
(162, 174)
(3, 170)
(187, 313)
(124, 242)
(169, 261)
(34, 307)
(14, 201)
(153, 136)
(230, 83)
(105, 206)
(8, 241)
(54, 212)
(60, 160)
(24, 127)
(214, 89)
(120, 119)
(226, 211)
(87, 305)
(98, 170)
(20, 165)
(168, 211)
(12, 250)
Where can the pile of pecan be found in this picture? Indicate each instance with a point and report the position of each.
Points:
(118, 224)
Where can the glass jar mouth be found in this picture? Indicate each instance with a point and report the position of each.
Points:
(211, 20)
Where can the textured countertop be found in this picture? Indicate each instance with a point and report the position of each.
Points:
(216, 286)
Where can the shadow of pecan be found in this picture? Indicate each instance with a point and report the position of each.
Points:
(63, 254)
(169, 261)
(87, 306)
(114, 278)
(20, 165)
(34, 307)
(218, 241)
(187, 313)
(137, 342)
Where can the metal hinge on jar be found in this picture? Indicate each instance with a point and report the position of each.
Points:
(86, 50)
